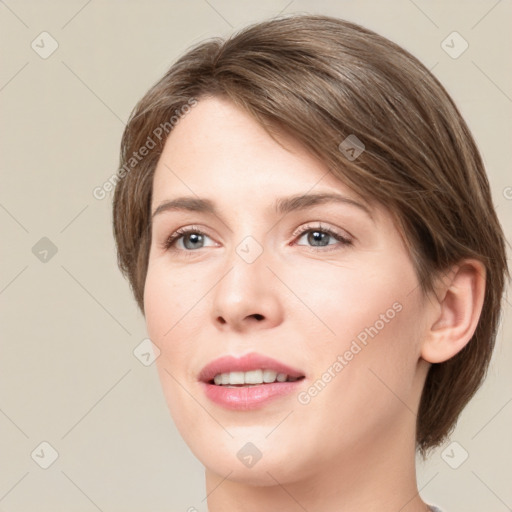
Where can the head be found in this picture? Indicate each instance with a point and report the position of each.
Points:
(409, 281)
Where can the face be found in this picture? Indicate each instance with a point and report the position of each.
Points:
(322, 285)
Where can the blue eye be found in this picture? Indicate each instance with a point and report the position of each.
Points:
(317, 238)
(322, 237)
(191, 238)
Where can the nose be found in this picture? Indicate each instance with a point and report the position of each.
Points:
(248, 296)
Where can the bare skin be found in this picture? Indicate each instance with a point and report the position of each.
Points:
(351, 445)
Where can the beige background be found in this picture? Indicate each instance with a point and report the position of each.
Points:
(69, 325)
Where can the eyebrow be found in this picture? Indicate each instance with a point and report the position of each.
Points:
(282, 205)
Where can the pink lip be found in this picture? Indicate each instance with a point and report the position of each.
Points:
(248, 398)
(252, 397)
(245, 363)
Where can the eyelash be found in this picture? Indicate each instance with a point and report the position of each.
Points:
(170, 241)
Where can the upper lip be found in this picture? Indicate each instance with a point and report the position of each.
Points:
(245, 363)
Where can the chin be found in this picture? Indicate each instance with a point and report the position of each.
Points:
(262, 474)
(258, 463)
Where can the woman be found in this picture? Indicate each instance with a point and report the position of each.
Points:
(307, 226)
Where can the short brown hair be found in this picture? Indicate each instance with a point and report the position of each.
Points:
(322, 79)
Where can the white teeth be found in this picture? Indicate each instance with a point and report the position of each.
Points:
(253, 377)
(269, 376)
(236, 378)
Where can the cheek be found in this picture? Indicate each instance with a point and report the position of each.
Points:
(339, 302)
(374, 360)
(167, 298)
(366, 394)
(372, 344)
(168, 309)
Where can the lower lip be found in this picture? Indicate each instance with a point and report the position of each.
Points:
(251, 397)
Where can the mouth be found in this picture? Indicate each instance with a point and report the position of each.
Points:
(251, 378)
(248, 382)
(249, 369)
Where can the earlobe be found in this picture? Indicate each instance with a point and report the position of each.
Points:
(457, 312)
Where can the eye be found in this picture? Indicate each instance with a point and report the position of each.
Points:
(318, 236)
(191, 238)
(186, 239)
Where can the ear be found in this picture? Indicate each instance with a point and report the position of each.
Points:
(455, 310)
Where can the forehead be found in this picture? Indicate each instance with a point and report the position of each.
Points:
(218, 148)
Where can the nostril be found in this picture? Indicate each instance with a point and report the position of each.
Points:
(258, 316)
